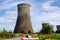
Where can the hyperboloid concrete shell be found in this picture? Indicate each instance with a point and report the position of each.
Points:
(23, 23)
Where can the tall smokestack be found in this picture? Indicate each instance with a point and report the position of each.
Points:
(23, 20)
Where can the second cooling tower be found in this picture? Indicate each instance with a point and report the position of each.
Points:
(23, 23)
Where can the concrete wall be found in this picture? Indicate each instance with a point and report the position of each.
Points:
(23, 19)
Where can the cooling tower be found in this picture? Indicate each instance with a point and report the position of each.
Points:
(23, 23)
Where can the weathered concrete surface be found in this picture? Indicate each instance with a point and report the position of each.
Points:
(23, 20)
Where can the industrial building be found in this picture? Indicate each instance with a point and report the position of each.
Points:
(23, 23)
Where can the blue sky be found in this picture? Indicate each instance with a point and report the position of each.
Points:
(42, 11)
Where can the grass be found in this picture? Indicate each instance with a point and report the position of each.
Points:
(49, 36)
(46, 36)
(43, 36)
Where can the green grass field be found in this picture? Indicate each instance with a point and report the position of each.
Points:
(50, 36)
(43, 36)
(46, 36)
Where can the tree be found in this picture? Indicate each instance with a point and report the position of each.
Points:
(10, 31)
(57, 31)
(4, 30)
(46, 28)
(22, 32)
(29, 32)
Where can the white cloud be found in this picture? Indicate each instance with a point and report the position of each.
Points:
(9, 17)
(52, 13)
(47, 6)
(11, 14)
(2, 19)
(9, 6)
(8, 21)
(49, 14)
(6, 1)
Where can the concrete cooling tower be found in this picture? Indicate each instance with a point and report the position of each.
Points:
(23, 23)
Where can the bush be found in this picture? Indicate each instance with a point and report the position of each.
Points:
(29, 32)
(46, 29)
(22, 32)
(57, 31)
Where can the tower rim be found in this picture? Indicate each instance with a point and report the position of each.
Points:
(23, 4)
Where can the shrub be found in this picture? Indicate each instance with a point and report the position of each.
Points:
(29, 32)
(57, 31)
(46, 28)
